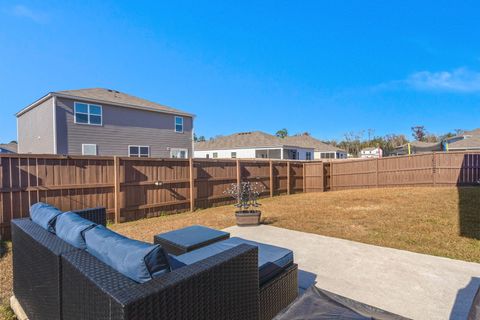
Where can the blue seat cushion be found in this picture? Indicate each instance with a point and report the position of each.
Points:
(70, 227)
(44, 215)
(191, 236)
(271, 259)
(137, 260)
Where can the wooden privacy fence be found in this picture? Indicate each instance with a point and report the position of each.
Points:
(432, 169)
(132, 188)
(135, 188)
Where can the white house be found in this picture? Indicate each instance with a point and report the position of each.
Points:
(252, 145)
(374, 152)
(321, 150)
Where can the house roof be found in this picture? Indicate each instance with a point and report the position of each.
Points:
(114, 97)
(308, 141)
(12, 147)
(254, 139)
(240, 140)
(474, 132)
(472, 142)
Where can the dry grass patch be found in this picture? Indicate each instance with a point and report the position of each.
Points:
(5, 280)
(424, 220)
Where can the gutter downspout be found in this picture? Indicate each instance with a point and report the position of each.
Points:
(54, 102)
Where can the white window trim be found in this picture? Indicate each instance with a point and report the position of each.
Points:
(88, 113)
(89, 144)
(138, 156)
(175, 124)
(174, 150)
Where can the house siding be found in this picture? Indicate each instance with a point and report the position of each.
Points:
(35, 129)
(121, 127)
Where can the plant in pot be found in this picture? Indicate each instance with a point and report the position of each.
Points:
(246, 194)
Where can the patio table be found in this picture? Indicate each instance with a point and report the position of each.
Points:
(184, 240)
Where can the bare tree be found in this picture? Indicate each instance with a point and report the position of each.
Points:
(419, 133)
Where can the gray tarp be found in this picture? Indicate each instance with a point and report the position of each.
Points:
(317, 304)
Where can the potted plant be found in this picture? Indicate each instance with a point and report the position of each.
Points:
(246, 194)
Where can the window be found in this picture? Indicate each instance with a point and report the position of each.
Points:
(207, 156)
(89, 149)
(308, 156)
(215, 155)
(179, 124)
(139, 151)
(234, 155)
(178, 153)
(88, 113)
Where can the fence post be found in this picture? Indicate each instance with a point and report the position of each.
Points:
(304, 179)
(239, 174)
(192, 186)
(377, 173)
(288, 177)
(434, 169)
(271, 178)
(116, 167)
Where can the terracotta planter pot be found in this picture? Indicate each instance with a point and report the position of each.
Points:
(248, 217)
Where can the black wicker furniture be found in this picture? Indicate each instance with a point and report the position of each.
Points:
(187, 239)
(56, 280)
(37, 265)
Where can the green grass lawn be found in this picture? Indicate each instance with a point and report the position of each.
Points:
(436, 221)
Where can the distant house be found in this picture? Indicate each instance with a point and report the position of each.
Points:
(251, 145)
(103, 122)
(8, 147)
(416, 147)
(469, 140)
(321, 150)
(374, 152)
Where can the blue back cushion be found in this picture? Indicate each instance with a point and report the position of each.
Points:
(70, 227)
(140, 261)
(44, 215)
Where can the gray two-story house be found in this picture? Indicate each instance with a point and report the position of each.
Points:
(103, 122)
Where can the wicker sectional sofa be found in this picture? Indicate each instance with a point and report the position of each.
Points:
(54, 280)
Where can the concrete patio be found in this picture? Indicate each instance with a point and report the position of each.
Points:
(413, 285)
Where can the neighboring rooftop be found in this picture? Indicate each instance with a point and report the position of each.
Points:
(472, 142)
(307, 141)
(474, 132)
(252, 139)
(9, 147)
(259, 139)
(110, 96)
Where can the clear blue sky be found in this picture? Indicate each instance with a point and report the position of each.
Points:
(327, 67)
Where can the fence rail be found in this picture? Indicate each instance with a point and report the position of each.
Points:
(430, 169)
(135, 188)
(132, 188)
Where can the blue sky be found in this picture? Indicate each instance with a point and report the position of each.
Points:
(323, 67)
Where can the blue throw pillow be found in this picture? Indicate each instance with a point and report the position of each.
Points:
(140, 261)
(70, 227)
(44, 215)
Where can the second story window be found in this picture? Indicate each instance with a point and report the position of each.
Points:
(215, 155)
(179, 124)
(234, 155)
(86, 113)
(139, 151)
